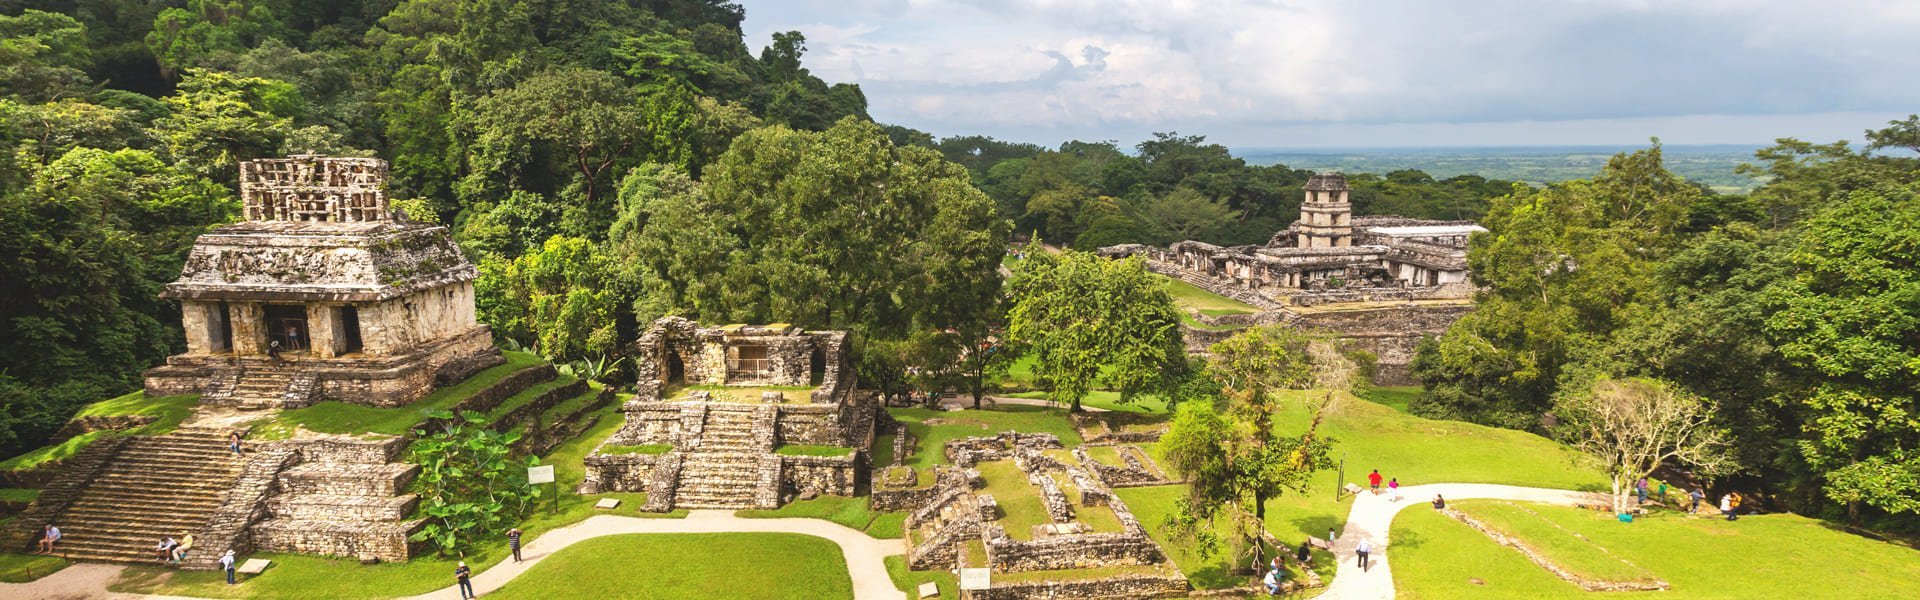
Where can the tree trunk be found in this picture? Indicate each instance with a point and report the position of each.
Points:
(1619, 497)
(1075, 407)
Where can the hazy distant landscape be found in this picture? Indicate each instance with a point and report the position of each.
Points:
(1709, 164)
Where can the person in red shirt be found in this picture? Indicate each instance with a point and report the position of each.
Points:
(1374, 479)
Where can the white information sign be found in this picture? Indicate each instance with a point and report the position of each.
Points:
(976, 579)
(540, 474)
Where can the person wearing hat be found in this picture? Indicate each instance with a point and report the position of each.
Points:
(464, 576)
(226, 564)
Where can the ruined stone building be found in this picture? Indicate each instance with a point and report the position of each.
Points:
(321, 293)
(1328, 256)
(359, 305)
(714, 406)
(1381, 282)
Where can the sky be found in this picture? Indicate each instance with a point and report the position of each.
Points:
(1368, 73)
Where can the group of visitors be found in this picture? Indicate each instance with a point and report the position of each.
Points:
(1276, 576)
(172, 551)
(1730, 504)
(1393, 485)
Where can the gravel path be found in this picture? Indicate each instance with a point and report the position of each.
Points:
(1372, 516)
(864, 554)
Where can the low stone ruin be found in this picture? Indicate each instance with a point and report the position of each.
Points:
(959, 513)
(721, 448)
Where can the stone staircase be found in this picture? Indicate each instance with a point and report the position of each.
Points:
(725, 467)
(153, 487)
(259, 388)
(718, 480)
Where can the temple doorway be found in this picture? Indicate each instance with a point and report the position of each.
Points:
(288, 325)
(350, 330)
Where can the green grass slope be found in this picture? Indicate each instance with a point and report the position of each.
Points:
(696, 566)
(1766, 556)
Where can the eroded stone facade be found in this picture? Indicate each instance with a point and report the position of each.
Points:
(723, 444)
(359, 307)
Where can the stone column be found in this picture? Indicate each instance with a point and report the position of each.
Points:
(198, 320)
(323, 329)
(249, 320)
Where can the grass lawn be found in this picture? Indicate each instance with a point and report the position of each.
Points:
(1570, 551)
(1396, 397)
(21, 495)
(298, 576)
(341, 417)
(851, 512)
(22, 568)
(1766, 556)
(639, 449)
(168, 410)
(932, 439)
(1188, 296)
(693, 566)
(909, 581)
(1108, 400)
(1020, 506)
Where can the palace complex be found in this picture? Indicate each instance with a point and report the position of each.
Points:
(1381, 282)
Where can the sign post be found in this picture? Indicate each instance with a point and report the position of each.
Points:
(544, 474)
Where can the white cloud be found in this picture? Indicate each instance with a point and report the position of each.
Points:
(1125, 66)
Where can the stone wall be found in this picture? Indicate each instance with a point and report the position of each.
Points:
(607, 473)
(821, 475)
(1108, 428)
(1077, 551)
(1141, 585)
(1138, 472)
(339, 496)
(244, 505)
(966, 452)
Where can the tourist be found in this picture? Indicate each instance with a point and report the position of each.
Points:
(1305, 552)
(463, 575)
(513, 541)
(1641, 487)
(1362, 551)
(50, 536)
(1438, 502)
(1273, 582)
(226, 564)
(180, 551)
(164, 550)
(233, 442)
(293, 338)
(1374, 479)
(1726, 506)
(1695, 495)
(273, 351)
(1393, 487)
(1330, 535)
(1737, 501)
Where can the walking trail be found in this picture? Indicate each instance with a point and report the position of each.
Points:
(1372, 516)
(864, 555)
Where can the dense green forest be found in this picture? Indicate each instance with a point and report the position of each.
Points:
(1796, 309)
(607, 163)
(1714, 165)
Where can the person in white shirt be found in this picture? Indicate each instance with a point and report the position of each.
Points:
(165, 549)
(226, 564)
(46, 541)
(1362, 551)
